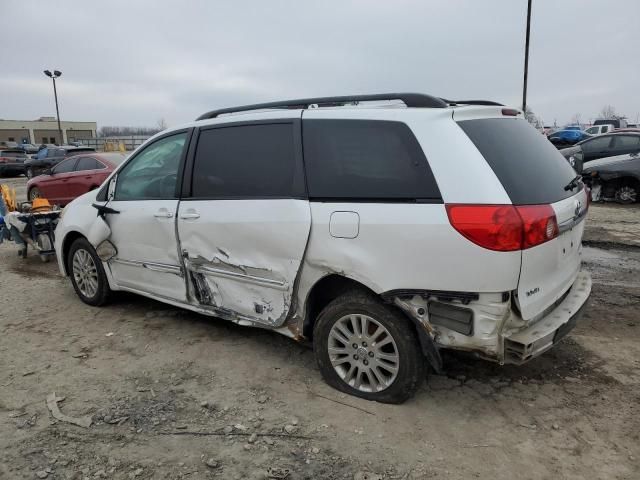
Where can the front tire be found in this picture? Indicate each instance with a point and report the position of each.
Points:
(626, 193)
(368, 349)
(29, 173)
(87, 274)
(33, 194)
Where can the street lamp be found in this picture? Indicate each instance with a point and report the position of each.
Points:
(53, 76)
(526, 59)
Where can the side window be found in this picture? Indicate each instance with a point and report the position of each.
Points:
(87, 163)
(153, 173)
(247, 161)
(596, 145)
(625, 142)
(366, 159)
(65, 166)
(592, 130)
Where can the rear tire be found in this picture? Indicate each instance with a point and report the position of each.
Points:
(368, 349)
(87, 273)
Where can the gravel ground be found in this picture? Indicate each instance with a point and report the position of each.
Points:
(172, 394)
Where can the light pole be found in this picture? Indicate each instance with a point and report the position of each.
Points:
(526, 59)
(53, 76)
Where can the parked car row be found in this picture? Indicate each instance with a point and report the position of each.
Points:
(12, 162)
(609, 164)
(18, 161)
(50, 156)
(73, 177)
(572, 134)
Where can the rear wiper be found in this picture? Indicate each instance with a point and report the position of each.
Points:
(573, 183)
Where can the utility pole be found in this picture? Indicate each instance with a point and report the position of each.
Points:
(526, 59)
(53, 76)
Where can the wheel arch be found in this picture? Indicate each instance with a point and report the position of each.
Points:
(68, 240)
(331, 286)
(323, 292)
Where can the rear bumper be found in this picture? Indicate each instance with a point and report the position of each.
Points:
(523, 345)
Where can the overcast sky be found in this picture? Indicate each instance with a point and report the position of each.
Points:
(134, 62)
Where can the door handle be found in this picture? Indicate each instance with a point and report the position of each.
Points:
(189, 216)
(163, 214)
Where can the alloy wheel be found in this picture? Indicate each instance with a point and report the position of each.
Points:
(363, 353)
(85, 273)
(626, 194)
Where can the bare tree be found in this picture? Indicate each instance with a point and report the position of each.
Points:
(608, 112)
(161, 124)
(126, 131)
(533, 119)
(576, 119)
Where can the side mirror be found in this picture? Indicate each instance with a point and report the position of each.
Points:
(49, 171)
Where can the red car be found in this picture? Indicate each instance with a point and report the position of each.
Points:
(73, 177)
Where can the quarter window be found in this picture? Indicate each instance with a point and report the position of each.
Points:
(65, 167)
(626, 141)
(88, 163)
(247, 161)
(153, 173)
(366, 159)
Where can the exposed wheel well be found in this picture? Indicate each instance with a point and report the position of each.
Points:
(330, 287)
(66, 246)
(322, 293)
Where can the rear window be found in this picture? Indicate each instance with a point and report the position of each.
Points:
(366, 160)
(530, 168)
(75, 151)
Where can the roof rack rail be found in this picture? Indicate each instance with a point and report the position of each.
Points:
(473, 102)
(417, 100)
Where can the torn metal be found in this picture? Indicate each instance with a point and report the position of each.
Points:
(267, 306)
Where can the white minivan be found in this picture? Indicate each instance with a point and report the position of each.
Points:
(382, 228)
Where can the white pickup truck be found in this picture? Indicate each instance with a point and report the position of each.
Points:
(600, 129)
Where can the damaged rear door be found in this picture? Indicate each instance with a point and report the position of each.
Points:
(244, 223)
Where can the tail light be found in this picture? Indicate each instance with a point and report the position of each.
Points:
(504, 228)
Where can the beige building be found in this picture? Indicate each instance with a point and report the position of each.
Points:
(45, 130)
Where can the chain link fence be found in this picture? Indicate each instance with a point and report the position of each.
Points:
(113, 144)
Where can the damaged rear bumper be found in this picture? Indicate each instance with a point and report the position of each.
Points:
(523, 345)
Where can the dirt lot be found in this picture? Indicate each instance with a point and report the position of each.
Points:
(176, 395)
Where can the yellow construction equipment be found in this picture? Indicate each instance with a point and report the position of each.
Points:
(9, 197)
